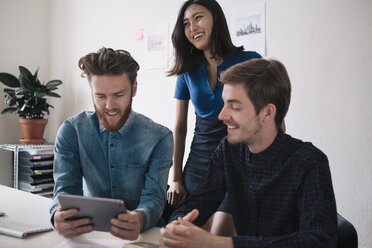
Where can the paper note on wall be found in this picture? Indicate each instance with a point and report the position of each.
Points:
(156, 40)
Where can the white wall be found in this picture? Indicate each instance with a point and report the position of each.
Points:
(325, 45)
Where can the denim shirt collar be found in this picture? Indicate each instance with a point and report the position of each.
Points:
(124, 129)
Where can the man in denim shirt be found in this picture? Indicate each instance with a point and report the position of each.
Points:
(113, 152)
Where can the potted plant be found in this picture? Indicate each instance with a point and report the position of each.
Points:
(26, 97)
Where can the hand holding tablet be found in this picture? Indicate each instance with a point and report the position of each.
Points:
(99, 210)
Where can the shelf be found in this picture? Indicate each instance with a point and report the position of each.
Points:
(20, 147)
(16, 148)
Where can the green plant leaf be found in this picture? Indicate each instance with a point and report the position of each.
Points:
(22, 91)
(8, 110)
(24, 107)
(27, 80)
(10, 100)
(21, 114)
(9, 80)
(52, 88)
(9, 91)
(36, 76)
(24, 83)
(28, 100)
(26, 73)
(53, 83)
(53, 94)
(38, 94)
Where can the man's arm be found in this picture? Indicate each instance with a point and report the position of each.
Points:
(153, 195)
(67, 169)
(68, 180)
(182, 233)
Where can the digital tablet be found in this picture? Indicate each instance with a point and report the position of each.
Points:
(99, 210)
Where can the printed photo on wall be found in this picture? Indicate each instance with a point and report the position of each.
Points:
(249, 27)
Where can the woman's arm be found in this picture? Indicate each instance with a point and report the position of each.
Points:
(177, 193)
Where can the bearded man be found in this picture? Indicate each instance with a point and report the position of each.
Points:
(113, 152)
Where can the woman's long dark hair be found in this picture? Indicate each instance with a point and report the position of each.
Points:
(187, 57)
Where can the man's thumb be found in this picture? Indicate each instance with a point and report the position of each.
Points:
(192, 215)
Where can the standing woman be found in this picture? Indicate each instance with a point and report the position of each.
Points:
(203, 48)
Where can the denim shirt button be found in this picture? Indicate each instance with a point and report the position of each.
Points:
(112, 166)
(111, 145)
(113, 186)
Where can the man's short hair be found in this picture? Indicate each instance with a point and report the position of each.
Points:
(107, 61)
(266, 81)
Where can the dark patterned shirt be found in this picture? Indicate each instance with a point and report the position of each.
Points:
(280, 197)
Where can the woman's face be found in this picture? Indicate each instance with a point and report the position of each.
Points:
(198, 24)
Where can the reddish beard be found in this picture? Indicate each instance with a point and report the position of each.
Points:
(114, 127)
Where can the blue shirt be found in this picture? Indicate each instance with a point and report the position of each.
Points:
(195, 85)
(280, 197)
(131, 164)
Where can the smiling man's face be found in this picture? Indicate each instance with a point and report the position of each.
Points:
(239, 114)
(112, 98)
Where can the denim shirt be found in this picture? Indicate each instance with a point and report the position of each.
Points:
(131, 164)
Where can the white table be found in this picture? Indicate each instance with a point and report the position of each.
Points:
(24, 206)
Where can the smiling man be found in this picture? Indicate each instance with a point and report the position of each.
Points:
(113, 152)
(280, 187)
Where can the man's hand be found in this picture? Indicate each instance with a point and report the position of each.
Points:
(71, 228)
(176, 193)
(128, 225)
(182, 233)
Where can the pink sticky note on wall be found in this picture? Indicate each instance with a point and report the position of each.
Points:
(138, 34)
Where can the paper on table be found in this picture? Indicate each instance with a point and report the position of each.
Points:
(92, 243)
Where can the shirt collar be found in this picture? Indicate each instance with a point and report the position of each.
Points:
(127, 125)
(271, 152)
(226, 63)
